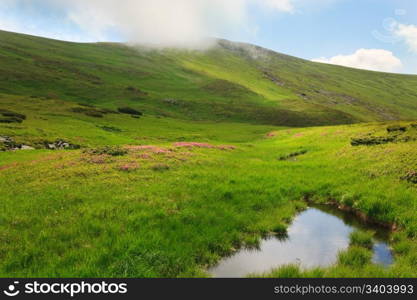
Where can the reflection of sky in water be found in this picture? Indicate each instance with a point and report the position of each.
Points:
(315, 238)
(382, 254)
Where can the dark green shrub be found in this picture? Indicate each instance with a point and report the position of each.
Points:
(160, 167)
(373, 140)
(109, 150)
(110, 129)
(292, 155)
(80, 110)
(95, 114)
(13, 115)
(8, 116)
(129, 111)
(92, 111)
(396, 128)
(108, 111)
(10, 120)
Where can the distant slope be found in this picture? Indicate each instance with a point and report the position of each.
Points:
(230, 82)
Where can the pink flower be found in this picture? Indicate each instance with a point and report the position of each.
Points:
(203, 145)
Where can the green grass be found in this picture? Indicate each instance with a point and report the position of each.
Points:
(355, 257)
(132, 202)
(77, 213)
(361, 238)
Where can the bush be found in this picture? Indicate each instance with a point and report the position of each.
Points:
(129, 111)
(374, 140)
(10, 120)
(395, 128)
(13, 114)
(80, 110)
(91, 111)
(109, 150)
(160, 167)
(95, 114)
(107, 111)
(292, 155)
(11, 117)
(111, 128)
(361, 239)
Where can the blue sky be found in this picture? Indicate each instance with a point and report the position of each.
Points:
(372, 34)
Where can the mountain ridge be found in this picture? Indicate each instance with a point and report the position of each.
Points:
(231, 81)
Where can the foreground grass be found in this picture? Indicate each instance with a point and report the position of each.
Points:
(172, 211)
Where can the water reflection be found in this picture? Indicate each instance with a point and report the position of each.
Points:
(314, 239)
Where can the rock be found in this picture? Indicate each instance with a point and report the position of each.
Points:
(60, 145)
(7, 143)
(26, 147)
(5, 139)
(273, 78)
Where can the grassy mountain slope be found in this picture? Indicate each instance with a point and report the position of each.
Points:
(167, 211)
(232, 81)
(205, 170)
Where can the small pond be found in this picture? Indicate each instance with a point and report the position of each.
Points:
(314, 239)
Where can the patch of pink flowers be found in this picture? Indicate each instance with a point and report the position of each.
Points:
(193, 144)
(149, 148)
(203, 145)
(129, 167)
(145, 156)
(226, 147)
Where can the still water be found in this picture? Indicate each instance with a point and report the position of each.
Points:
(314, 239)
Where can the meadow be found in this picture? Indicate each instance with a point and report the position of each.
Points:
(171, 190)
(171, 204)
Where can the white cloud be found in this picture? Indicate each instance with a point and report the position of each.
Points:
(409, 34)
(166, 23)
(184, 23)
(282, 5)
(368, 59)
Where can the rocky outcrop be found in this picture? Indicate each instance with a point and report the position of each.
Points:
(8, 144)
(60, 145)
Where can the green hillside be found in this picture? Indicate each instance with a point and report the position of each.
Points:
(129, 162)
(232, 81)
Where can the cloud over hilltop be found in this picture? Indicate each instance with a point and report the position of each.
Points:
(179, 23)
